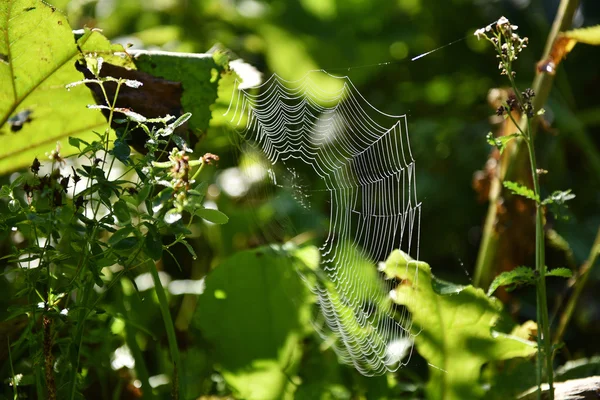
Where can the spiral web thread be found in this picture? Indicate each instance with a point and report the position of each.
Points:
(363, 157)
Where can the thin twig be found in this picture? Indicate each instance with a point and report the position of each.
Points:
(581, 280)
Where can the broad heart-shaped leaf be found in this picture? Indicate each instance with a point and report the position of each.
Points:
(254, 312)
(454, 331)
(39, 52)
(37, 59)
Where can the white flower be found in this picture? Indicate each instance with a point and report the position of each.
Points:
(502, 21)
(479, 33)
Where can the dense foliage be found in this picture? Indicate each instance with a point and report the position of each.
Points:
(130, 270)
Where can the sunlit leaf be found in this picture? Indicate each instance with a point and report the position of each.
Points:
(520, 190)
(38, 54)
(455, 332)
(560, 272)
(211, 215)
(512, 279)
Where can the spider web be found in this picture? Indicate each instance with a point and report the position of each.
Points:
(366, 172)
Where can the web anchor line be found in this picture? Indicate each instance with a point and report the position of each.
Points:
(399, 62)
(362, 158)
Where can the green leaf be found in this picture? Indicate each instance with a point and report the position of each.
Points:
(143, 193)
(212, 215)
(520, 190)
(120, 235)
(153, 243)
(122, 211)
(517, 277)
(125, 244)
(254, 312)
(501, 141)
(589, 35)
(33, 76)
(454, 332)
(560, 272)
(121, 151)
(189, 248)
(559, 197)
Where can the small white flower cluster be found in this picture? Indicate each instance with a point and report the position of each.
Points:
(509, 44)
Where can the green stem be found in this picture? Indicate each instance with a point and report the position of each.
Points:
(12, 371)
(178, 385)
(543, 337)
(511, 157)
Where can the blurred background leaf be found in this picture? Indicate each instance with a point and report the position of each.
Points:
(254, 312)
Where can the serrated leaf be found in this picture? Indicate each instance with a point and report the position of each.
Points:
(560, 272)
(511, 279)
(212, 215)
(520, 190)
(455, 332)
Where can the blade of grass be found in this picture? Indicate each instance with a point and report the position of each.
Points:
(582, 277)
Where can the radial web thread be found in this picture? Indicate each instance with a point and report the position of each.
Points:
(363, 157)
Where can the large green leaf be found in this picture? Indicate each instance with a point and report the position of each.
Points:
(37, 60)
(454, 328)
(254, 312)
(38, 54)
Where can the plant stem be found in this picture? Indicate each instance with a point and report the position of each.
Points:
(178, 386)
(583, 275)
(543, 338)
(12, 371)
(542, 84)
(48, 359)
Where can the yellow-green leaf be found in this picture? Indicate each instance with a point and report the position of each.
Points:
(38, 54)
(589, 35)
(454, 327)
